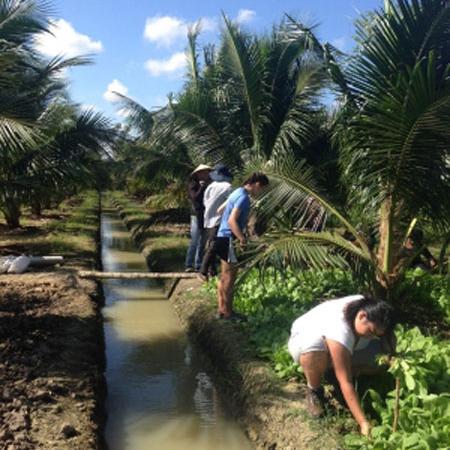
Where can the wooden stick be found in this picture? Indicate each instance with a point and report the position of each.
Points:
(135, 275)
(396, 405)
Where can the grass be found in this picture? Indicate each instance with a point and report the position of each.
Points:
(70, 231)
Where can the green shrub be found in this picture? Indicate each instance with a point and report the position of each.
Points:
(422, 368)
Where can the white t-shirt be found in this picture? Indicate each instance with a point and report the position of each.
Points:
(327, 321)
(215, 194)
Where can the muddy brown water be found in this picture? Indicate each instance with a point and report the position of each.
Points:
(160, 395)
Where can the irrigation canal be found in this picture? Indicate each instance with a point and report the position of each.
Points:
(159, 394)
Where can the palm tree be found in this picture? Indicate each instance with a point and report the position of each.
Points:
(37, 150)
(392, 129)
(252, 99)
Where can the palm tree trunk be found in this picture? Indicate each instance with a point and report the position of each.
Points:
(385, 249)
(11, 211)
(36, 207)
(391, 242)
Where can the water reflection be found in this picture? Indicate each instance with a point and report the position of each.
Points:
(159, 395)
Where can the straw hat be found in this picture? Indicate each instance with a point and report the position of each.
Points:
(200, 168)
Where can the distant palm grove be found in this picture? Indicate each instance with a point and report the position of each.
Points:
(375, 159)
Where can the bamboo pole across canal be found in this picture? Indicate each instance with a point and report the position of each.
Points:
(135, 275)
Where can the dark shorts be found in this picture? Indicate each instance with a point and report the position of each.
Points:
(225, 249)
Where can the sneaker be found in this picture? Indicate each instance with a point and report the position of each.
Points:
(236, 317)
(189, 269)
(314, 402)
(218, 315)
(202, 277)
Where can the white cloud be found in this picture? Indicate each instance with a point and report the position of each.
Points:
(115, 86)
(209, 24)
(172, 65)
(63, 39)
(245, 15)
(340, 43)
(166, 30)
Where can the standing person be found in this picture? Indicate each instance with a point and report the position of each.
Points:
(327, 336)
(232, 226)
(198, 181)
(416, 253)
(215, 195)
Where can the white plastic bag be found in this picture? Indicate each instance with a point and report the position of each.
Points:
(19, 265)
(5, 263)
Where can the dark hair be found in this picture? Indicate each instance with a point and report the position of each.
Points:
(257, 177)
(416, 236)
(378, 311)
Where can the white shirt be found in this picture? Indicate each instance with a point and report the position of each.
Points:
(215, 194)
(327, 321)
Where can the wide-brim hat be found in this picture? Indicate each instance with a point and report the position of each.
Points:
(200, 168)
(221, 173)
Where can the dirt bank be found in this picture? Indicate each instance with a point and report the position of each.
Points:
(161, 236)
(272, 412)
(51, 362)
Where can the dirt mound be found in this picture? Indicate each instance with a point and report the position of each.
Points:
(51, 363)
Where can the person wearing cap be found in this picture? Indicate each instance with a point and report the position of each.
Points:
(198, 182)
(232, 227)
(215, 195)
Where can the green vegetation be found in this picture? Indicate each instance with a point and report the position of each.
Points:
(70, 231)
(160, 237)
(416, 415)
(273, 300)
(373, 166)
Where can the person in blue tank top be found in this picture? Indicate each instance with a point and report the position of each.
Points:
(232, 226)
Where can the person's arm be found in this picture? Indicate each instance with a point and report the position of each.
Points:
(431, 260)
(234, 225)
(221, 208)
(340, 356)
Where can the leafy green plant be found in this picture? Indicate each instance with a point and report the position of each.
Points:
(416, 414)
(429, 289)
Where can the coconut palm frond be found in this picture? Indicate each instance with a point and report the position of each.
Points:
(326, 53)
(137, 116)
(193, 72)
(16, 137)
(241, 55)
(317, 250)
(403, 135)
(21, 20)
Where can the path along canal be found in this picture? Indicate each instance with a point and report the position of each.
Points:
(159, 394)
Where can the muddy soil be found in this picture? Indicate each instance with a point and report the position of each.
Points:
(51, 362)
(271, 411)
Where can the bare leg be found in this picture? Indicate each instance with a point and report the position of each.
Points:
(220, 296)
(227, 279)
(314, 365)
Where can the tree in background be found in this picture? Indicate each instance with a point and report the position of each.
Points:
(253, 99)
(45, 142)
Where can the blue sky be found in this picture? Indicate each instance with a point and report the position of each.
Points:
(138, 44)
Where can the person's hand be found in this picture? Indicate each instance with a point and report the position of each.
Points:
(242, 243)
(365, 428)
